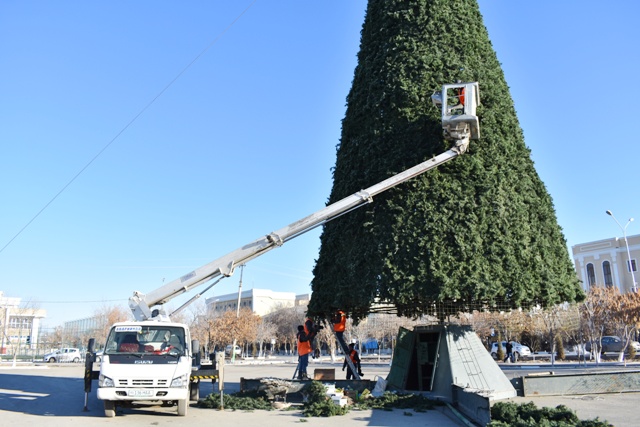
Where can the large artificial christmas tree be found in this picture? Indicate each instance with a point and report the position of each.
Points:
(480, 231)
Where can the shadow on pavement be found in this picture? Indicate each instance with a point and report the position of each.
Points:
(38, 395)
(63, 397)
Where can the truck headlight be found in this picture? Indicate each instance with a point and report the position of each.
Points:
(105, 381)
(180, 382)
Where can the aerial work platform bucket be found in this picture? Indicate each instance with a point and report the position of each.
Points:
(458, 103)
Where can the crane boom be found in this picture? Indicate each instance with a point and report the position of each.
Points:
(466, 127)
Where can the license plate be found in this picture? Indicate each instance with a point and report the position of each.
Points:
(140, 393)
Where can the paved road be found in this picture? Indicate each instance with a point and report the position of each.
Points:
(30, 393)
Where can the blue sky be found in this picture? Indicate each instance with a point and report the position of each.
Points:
(242, 143)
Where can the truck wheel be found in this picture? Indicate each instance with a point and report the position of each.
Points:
(182, 407)
(109, 409)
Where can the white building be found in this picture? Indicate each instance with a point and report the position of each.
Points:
(19, 326)
(80, 327)
(606, 263)
(259, 301)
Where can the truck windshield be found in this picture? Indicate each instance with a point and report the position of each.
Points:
(156, 339)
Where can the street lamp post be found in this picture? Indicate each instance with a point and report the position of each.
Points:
(624, 233)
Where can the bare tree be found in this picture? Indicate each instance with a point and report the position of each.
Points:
(384, 328)
(105, 317)
(248, 329)
(197, 317)
(571, 331)
(266, 331)
(231, 326)
(327, 338)
(625, 317)
(597, 316)
(553, 320)
(360, 333)
(286, 320)
(218, 335)
(482, 322)
(54, 338)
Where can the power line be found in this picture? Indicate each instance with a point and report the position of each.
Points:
(145, 108)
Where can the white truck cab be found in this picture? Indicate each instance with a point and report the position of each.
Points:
(146, 362)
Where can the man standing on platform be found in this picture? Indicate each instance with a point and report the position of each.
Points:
(306, 334)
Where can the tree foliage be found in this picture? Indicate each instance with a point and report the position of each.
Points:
(509, 414)
(481, 229)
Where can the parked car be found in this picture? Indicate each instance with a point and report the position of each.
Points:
(227, 350)
(613, 344)
(519, 350)
(577, 351)
(63, 355)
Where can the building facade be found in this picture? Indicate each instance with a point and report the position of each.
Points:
(606, 263)
(19, 326)
(259, 301)
(81, 327)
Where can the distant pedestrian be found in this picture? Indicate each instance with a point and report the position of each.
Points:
(509, 355)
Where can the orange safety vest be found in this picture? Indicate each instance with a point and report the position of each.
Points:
(341, 326)
(304, 347)
(352, 356)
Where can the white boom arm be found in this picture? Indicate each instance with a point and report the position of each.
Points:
(142, 304)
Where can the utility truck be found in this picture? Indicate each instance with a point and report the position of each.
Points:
(150, 360)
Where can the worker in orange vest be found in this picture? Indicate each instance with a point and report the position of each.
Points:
(339, 321)
(306, 334)
(460, 93)
(355, 359)
(457, 103)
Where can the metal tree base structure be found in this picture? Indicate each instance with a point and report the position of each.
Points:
(448, 363)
